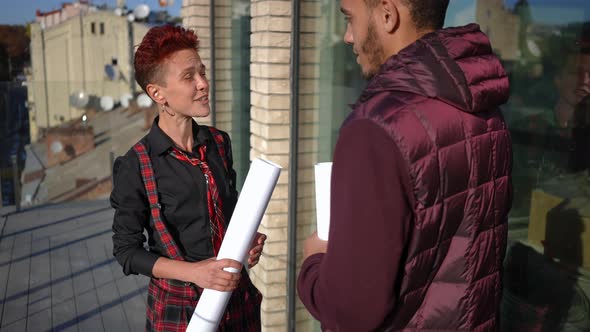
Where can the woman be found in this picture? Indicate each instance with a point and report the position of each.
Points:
(178, 184)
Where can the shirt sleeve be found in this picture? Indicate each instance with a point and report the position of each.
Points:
(129, 200)
(353, 286)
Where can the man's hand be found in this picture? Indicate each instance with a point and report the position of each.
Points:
(313, 245)
(256, 249)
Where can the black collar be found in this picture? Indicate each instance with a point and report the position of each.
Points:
(161, 143)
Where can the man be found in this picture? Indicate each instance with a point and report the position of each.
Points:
(572, 110)
(421, 185)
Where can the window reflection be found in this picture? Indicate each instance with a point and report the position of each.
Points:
(545, 47)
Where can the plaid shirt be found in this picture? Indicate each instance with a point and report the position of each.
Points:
(172, 302)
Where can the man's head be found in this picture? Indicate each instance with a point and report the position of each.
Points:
(378, 29)
(573, 79)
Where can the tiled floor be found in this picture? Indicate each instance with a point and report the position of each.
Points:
(57, 272)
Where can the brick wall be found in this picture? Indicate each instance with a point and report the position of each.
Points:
(270, 43)
(195, 16)
(270, 96)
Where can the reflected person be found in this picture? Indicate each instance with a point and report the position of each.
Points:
(572, 110)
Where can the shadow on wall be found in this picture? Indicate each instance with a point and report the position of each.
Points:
(545, 291)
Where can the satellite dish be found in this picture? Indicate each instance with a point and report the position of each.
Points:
(125, 99)
(144, 101)
(130, 17)
(107, 103)
(533, 48)
(119, 11)
(79, 99)
(141, 11)
(56, 147)
(111, 72)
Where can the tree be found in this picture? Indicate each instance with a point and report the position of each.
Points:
(14, 56)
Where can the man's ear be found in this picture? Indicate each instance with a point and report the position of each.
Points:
(389, 15)
(155, 92)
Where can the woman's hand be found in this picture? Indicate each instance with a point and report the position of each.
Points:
(210, 274)
(256, 249)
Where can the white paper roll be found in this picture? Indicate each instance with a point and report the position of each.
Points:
(323, 175)
(258, 187)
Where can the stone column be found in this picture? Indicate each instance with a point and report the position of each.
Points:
(195, 16)
(270, 93)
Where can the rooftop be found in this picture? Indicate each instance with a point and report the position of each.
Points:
(57, 272)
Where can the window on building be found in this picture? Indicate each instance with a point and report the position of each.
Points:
(101, 28)
(93, 28)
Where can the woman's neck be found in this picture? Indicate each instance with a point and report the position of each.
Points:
(179, 129)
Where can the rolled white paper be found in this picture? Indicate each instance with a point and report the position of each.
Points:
(258, 187)
(323, 175)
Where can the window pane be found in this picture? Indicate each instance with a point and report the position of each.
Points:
(544, 46)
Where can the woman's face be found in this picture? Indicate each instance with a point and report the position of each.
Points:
(185, 86)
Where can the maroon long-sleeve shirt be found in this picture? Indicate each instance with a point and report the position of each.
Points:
(353, 286)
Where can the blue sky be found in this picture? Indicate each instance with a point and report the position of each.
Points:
(461, 12)
(23, 11)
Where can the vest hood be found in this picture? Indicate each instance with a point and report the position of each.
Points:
(454, 65)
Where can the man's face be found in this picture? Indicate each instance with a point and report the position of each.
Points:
(361, 33)
(573, 85)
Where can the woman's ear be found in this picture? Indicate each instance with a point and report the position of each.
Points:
(155, 93)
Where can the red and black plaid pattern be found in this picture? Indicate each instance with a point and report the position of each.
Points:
(218, 137)
(149, 181)
(217, 220)
(170, 307)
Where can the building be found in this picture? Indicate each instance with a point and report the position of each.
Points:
(67, 11)
(281, 79)
(502, 25)
(78, 54)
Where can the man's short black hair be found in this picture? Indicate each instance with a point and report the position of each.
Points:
(426, 14)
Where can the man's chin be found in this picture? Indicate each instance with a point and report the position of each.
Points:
(368, 74)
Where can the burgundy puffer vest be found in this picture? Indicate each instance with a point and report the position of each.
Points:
(438, 99)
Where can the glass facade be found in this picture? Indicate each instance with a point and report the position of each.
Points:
(545, 48)
(240, 87)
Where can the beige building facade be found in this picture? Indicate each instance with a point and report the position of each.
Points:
(502, 25)
(71, 58)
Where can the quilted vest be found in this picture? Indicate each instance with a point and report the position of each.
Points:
(457, 150)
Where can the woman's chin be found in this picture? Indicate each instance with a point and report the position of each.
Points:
(202, 112)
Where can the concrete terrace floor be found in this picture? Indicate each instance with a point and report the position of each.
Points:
(57, 272)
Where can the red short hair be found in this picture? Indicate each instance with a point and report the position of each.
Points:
(159, 43)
